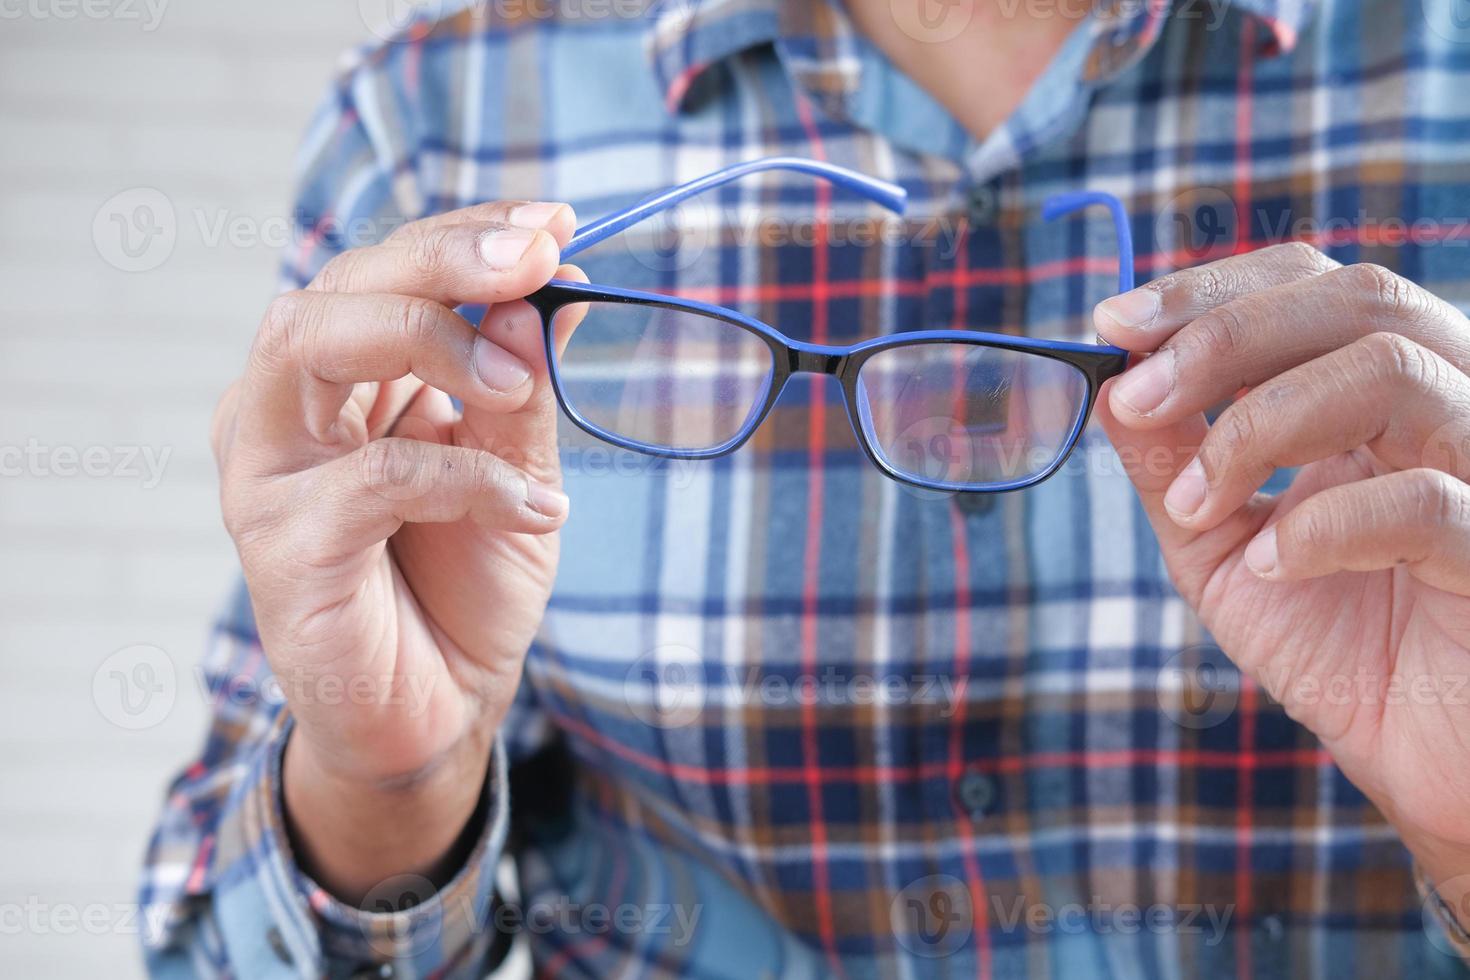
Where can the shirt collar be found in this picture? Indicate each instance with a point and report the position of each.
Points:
(689, 37)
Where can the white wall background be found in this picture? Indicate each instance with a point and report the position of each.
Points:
(205, 107)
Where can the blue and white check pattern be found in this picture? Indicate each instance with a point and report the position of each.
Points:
(785, 717)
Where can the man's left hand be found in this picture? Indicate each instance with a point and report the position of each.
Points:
(1346, 596)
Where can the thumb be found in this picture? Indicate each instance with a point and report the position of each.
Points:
(1154, 459)
(525, 437)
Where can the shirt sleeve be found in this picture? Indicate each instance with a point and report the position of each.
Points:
(221, 894)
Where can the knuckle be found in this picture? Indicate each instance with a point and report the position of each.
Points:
(1314, 528)
(1390, 292)
(1403, 360)
(1223, 334)
(1236, 442)
(1238, 429)
(416, 321)
(405, 232)
(1440, 499)
(284, 323)
(389, 465)
(431, 255)
(1200, 290)
(337, 275)
(491, 475)
(1206, 287)
(1301, 255)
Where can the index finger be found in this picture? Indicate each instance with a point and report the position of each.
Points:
(557, 219)
(451, 264)
(1144, 318)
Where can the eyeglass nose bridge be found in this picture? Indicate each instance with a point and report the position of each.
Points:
(814, 359)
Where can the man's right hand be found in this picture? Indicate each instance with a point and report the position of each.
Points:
(399, 558)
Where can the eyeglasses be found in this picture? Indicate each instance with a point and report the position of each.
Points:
(949, 410)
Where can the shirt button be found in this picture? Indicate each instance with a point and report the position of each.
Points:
(278, 946)
(975, 504)
(976, 794)
(1273, 927)
(383, 971)
(982, 204)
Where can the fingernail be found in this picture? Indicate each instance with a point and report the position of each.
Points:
(546, 501)
(499, 368)
(535, 215)
(1144, 388)
(1135, 310)
(1187, 493)
(503, 249)
(1260, 554)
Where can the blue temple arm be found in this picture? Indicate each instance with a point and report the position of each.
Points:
(889, 195)
(1064, 204)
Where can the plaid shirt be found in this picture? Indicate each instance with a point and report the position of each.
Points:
(786, 717)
